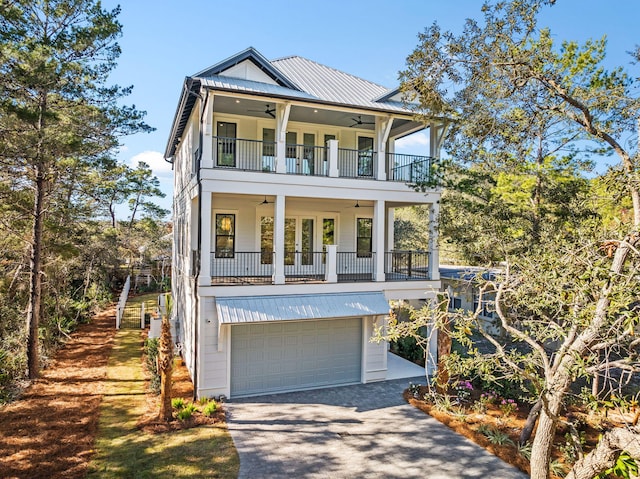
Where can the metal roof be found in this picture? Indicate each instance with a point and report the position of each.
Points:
(335, 86)
(296, 78)
(256, 58)
(220, 82)
(256, 309)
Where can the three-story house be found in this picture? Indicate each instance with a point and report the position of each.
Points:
(286, 182)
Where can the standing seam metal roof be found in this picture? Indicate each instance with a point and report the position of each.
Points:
(256, 309)
(334, 85)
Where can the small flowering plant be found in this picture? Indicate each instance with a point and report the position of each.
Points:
(488, 397)
(463, 390)
(508, 406)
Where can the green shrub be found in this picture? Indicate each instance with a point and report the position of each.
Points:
(210, 408)
(178, 403)
(408, 349)
(186, 412)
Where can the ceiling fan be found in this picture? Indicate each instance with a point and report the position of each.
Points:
(265, 201)
(268, 111)
(360, 122)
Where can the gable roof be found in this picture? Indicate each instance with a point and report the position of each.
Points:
(254, 57)
(295, 78)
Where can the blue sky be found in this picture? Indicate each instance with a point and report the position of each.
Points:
(164, 41)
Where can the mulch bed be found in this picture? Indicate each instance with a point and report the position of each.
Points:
(467, 425)
(181, 387)
(50, 431)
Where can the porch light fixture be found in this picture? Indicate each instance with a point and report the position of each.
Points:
(225, 224)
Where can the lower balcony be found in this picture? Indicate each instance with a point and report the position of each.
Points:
(258, 267)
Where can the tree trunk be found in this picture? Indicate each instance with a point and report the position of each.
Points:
(35, 277)
(532, 418)
(166, 370)
(543, 440)
(444, 350)
(607, 452)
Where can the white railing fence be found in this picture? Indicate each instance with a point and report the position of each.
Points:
(122, 301)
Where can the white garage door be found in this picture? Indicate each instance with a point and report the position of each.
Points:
(290, 355)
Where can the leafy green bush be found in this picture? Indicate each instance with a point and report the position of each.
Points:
(186, 412)
(408, 349)
(210, 408)
(178, 403)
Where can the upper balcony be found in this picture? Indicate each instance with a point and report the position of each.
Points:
(328, 161)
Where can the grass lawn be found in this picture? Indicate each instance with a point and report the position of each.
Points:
(124, 451)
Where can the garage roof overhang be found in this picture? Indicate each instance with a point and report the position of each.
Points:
(257, 309)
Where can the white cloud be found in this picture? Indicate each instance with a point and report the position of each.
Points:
(414, 140)
(155, 160)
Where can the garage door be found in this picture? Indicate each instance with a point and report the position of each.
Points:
(290, 355)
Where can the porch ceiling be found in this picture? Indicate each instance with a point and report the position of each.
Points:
(318, 114)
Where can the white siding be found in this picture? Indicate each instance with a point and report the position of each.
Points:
(375, 354)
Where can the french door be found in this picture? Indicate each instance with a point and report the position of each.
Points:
(299, 234)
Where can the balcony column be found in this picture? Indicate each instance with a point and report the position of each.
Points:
(378, 240)
(391, 240)
(207, 131)
(331, 266)
(206, 228)
(434, 255)
(436, 135)
(282, 118)
(383, 128)
(278, 240)
(332, 158)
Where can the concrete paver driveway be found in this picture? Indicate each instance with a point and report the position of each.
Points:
(366, 430)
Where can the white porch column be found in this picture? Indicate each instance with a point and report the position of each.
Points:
(204, 278)
(278, 240)
(332, 158)
(378, 239)
(282, 118)
(436, 135)
(207, 131)
(391, 240)
(331, 266)
(383, 128)
(434, 256)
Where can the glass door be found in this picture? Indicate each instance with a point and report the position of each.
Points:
(365, 156)
(299, 239)
(226, 144)
(308, 154)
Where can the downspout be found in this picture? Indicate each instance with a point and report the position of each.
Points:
(199, 244)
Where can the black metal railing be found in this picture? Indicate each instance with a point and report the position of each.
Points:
(406, 265)
(306, 160)
(411, 169)
(301, 266)
(244, 267)
(353, 266)
(357, 163)
(248, 155)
